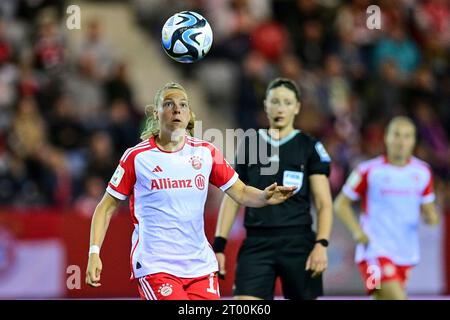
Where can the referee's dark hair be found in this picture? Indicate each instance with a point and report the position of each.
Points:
(284, 82)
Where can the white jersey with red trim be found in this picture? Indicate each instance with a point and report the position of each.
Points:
(391, 197)
(167, 193)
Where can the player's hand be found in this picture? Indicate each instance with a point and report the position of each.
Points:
(275, 194)
(94, 270)
(317, 261)
(431, 218)
(221, 260)
(361, 237)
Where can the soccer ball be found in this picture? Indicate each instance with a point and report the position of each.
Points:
(186, 37)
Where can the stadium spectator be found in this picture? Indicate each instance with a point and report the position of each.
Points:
(118, 85)
(396, 45)
(86, 92)
(28, 132)
(50, 47)
(334, 88)
(98, 50)
(123, 127)
(101, 155)
(385, 97)
(94, 187)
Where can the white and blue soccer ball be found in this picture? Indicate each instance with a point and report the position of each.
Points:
(186, 37)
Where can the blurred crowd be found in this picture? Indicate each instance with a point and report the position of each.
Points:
(352, 79)
(66, 115)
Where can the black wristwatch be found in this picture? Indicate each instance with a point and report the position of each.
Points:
(323, 242)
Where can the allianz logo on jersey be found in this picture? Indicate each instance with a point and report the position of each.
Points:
(167, 183)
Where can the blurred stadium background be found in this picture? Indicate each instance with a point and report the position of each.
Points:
(71, 101)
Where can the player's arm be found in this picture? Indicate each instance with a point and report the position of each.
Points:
(318, 261)
(320, 189)
(344, 211)
(253, 197)
(227, 215)
(429, 213)
(229, 208)
(428, 207)
(99, 225)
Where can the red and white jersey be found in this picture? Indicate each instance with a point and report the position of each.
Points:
(391, 197)
(167, 193)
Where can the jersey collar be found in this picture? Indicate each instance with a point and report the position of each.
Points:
(386, 160)
(154, 144)
(276, 143)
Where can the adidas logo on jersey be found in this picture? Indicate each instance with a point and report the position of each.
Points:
(157, 169)
(167, 183)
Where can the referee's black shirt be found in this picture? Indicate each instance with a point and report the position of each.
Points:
(299, 156)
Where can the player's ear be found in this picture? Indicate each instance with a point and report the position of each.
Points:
(151, 111)
(298, 107)
(155, 113)
(385, 137)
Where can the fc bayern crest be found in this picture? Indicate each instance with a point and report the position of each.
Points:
(196, 162)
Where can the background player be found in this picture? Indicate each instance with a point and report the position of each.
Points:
(280, 241)
(394, 189)
(166, 177)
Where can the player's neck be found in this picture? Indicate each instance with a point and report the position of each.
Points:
(278, 134)
(169, 143)
(397, 161)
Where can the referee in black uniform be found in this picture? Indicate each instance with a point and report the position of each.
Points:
(280, 241)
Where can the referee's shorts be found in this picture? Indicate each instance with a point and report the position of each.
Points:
(268, 253)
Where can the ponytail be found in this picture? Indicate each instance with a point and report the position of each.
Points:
(191, 125)
(151, 123)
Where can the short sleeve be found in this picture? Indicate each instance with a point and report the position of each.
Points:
(222, 174)
(428, 192)
(122, 182)
(356, 185)
(319, 160)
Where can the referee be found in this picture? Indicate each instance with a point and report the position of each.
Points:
(280, 241)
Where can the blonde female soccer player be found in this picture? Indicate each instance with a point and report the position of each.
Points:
(166, 178)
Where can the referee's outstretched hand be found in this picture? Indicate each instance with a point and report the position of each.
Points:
(275, 194)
